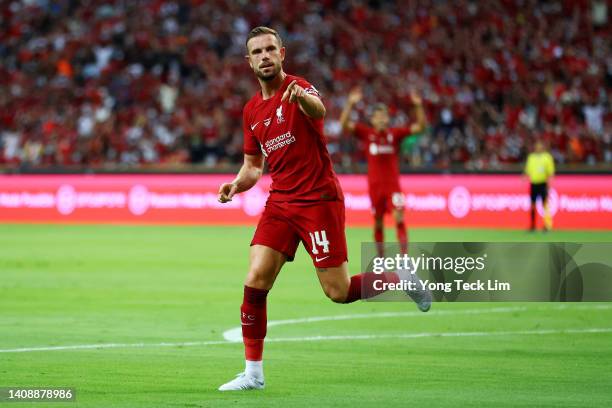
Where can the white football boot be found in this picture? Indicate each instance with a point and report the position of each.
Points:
(421, 296)
(243, 382)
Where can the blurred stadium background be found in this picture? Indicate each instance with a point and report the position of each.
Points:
(96, 96)
(126, 84)
(159, 86)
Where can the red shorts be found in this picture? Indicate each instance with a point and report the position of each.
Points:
(318, 225)
(385, 198)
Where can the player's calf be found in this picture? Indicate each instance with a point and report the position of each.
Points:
(335, 282)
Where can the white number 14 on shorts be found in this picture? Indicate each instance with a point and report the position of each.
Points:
(319, 238)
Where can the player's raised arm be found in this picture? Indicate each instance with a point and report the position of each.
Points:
(247, 177)
(353, 98)
(309, 103)
(421, 119)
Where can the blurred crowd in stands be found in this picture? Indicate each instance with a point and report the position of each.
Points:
(152, 81)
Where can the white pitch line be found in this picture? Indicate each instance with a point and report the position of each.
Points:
(113, 345)
(317, 338)
(235, 334)
(456, 334)
(230, 334)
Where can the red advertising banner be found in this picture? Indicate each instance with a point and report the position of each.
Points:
(431, 200)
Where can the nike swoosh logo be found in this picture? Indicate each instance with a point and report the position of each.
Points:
(254, 126)
(320, 259)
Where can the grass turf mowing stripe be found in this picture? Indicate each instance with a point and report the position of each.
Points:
(315, 338)
(234, 335)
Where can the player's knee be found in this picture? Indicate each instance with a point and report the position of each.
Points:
(378, 222)
(259, 278)
(336, 293)
(337, 296)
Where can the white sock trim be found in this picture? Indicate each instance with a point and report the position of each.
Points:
(254, 368)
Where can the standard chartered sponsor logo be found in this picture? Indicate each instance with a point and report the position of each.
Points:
(376, 149)
(279, 141)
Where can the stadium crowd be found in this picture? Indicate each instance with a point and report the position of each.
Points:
(154, 81)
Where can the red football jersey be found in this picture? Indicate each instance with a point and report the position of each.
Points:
(293, 145)
(382, 152)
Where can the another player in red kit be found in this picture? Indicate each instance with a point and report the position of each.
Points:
(383, 144)
(283, 124)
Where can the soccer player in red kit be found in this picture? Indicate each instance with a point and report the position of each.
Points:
(383, 144)
(283, 125)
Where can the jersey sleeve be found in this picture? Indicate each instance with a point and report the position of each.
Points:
(400, 133)
(309, 88)
(361, 131)
(251, 145)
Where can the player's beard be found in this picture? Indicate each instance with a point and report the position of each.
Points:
(268, 77)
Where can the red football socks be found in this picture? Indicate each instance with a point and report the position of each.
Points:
(362, 285)
(379, 238)
(254, 322)
(402, 237)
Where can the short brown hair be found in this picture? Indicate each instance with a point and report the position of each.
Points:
(380, 107)
(261, 30)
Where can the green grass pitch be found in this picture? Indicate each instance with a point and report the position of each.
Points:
(140, 287)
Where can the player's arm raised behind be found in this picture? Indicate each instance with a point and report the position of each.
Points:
(309, 104)
(247, 177)
(353, 98)
(421, 119)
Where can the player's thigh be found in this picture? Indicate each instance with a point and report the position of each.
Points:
(264, 266)
(378, 199)
(276, 231)
(335, 281)
(274, 242)
(379, 221)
